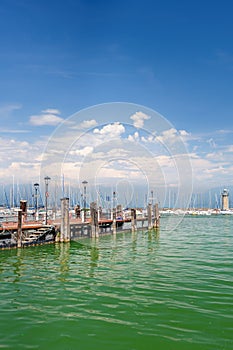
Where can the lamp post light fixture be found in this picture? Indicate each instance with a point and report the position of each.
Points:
(84, 199)
(113, 214)
(46, 179)
(114, 200)
(36, 186)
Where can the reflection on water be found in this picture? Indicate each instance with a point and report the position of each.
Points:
(94, 257)
(64, 254)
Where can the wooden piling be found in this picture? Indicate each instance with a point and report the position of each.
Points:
(119, 210)
(99, 213)
(94, 220)
(156, 216)
(133, 220)
(65, 221)
(19, 229)
(149, 216)
(23, 207)
(114, 221)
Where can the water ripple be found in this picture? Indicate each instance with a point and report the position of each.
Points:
(146, 290)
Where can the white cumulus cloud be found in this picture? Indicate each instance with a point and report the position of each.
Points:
(134, 137)
(82, 152)
(86, 124)
(139, 118)
(184, 133)
(47, 117)
(113, 130)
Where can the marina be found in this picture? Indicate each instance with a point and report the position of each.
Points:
(21, 227)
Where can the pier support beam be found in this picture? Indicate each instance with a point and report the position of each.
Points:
(65, 221)
(149, 216)
(133, 220)
(94, 220)
(156, 216)
(19, 229)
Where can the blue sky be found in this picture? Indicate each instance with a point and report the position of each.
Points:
(60, 57)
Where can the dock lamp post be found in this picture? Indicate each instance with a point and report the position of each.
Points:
(114, 200)
(152, 198)
(46, 179)
(113, 216)
(84, 198)
(36, 186)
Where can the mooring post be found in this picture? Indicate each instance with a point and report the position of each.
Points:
(94, 220)
(99, 212)
(149, 216)
(156, 216)
(65, 220)
(133, 220)
(23, 207)
(119, 210)
(114, 226)
(82, 215)
(19, 229)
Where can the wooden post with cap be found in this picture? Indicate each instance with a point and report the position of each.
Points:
(65, 220)
(19, 229)
(149, 216)
(156, 216)
(94, 220)
(114, 224)
(133, 220)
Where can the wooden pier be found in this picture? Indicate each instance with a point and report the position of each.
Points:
(26, 233)
(95, 226)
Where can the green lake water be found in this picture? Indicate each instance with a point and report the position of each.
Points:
(158, 290)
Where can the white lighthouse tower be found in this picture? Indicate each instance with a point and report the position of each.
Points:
(225, 200)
